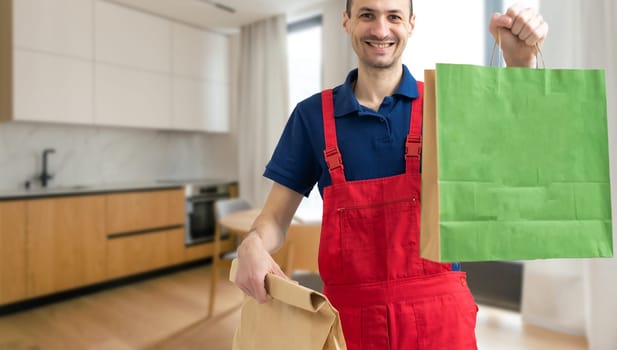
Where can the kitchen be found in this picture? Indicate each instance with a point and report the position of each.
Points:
(117, 117)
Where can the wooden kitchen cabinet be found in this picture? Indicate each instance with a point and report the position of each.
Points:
(54, 244)
(138, 253)
(137, 211)
(12, 251)
(145, 231)
(66, 245)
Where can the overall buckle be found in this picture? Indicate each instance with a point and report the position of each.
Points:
(333, 158)
(413, 147)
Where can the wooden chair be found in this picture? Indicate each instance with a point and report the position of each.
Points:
(223, 207)
(302, 248)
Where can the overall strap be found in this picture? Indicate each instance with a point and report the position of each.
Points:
(331, 153)
(413, 144)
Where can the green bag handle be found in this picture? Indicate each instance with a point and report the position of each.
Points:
(539, 51)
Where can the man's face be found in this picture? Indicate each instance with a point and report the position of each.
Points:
(379, 30)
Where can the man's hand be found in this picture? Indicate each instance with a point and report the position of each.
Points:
(520, 31)
(254, 262)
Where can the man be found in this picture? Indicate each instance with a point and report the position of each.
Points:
(360, 143)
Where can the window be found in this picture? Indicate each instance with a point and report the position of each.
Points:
(304, 59)
(456, 35)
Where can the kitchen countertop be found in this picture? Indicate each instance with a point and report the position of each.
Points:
(61, 191)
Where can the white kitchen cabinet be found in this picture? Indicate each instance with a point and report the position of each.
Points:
(189, 104)
(62, 27)
(128, 37)
(95, 62)
(201, 80)
(51, 50)
(217, 111)
(200, 105)
(200, 54)
(127, 97)
(51, 88)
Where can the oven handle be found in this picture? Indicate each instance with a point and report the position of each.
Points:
(207, 198)
(191, 201)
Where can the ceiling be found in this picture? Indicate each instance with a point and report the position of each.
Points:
(204, 13)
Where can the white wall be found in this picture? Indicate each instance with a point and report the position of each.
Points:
(95, 155)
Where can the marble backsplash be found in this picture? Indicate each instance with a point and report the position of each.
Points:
(86, 155)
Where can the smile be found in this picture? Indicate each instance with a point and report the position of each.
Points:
(379, 45)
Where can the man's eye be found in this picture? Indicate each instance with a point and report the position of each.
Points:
(395, 18)
(366, 15)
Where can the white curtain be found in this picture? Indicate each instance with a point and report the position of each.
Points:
(338, 55)
(580, 296)
(262, 102)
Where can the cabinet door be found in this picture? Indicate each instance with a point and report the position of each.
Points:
(200, 54)
(146, 231)
(189, 104)
(135, 254)
(66, 243)
(52, 88)
(201, 80)
(200, 105)
(176, 250)
(127, 97)
(12, 251)
(217, 112)
(139, 211)
(62, 27)
(132, 38)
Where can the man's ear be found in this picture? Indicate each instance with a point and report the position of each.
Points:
(345, 21)
(412, 25)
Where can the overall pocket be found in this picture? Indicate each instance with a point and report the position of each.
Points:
(378, 241)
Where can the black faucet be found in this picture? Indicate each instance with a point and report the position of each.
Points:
(45, 175)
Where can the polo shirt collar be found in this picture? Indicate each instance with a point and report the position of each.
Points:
(345, 101)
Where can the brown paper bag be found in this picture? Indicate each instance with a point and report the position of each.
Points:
(295, 318)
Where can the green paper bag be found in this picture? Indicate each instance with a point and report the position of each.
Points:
(514, 164)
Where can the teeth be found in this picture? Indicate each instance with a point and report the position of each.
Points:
(380, 46)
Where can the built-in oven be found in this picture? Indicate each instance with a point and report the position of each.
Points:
(200, 215)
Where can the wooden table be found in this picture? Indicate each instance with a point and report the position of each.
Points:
(239, 222)
(304, 235)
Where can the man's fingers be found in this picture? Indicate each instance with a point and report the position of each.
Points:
(277, 271)
(258, 289)
(532, 25)
(537, 35)
(514, 10)
(522, 21)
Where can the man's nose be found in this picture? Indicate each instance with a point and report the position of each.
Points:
(381, 27)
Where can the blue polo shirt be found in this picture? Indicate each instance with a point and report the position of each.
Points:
(371, 142)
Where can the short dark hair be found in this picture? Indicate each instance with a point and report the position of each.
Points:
(348, 8)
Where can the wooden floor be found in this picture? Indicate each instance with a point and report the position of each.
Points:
(169, 313)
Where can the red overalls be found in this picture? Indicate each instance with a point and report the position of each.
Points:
(387, 296)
